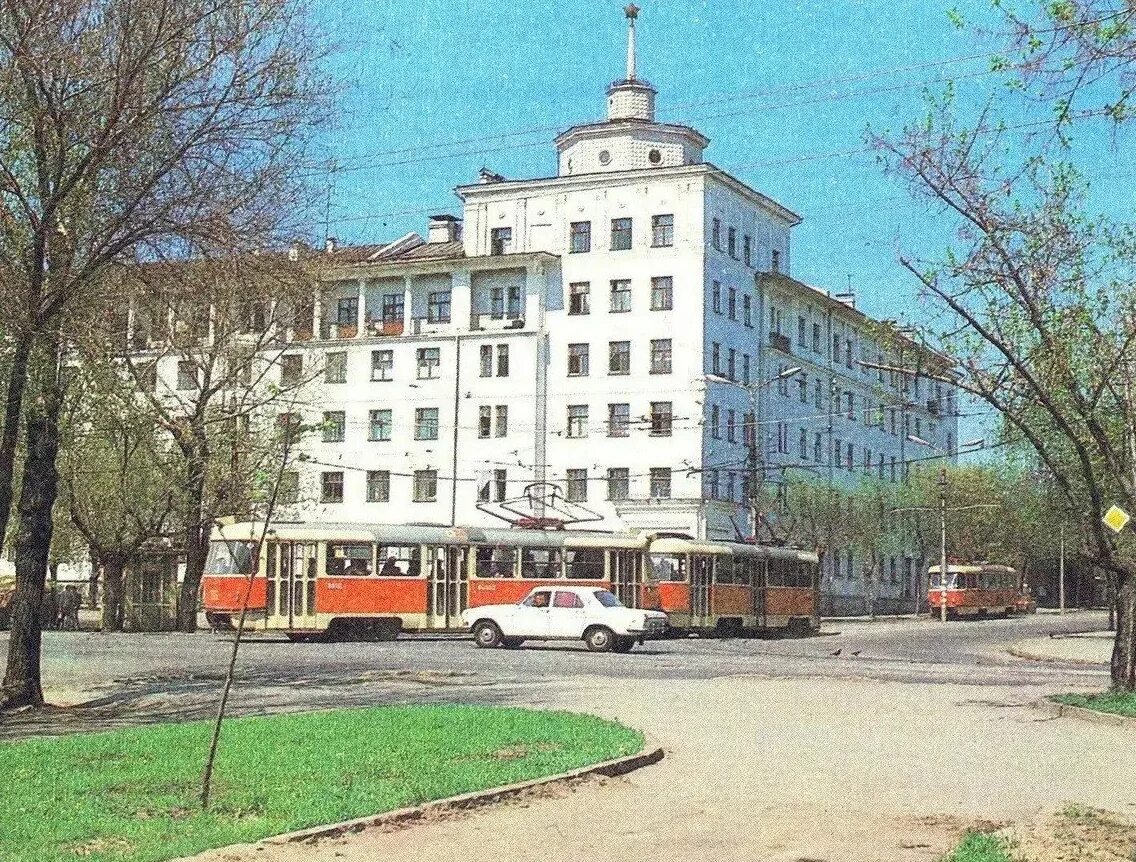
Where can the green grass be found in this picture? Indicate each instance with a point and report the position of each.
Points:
(1121, 703)
(979, 847)
(132, 794)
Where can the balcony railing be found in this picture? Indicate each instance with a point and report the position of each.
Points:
(384, 328)
(492, 321)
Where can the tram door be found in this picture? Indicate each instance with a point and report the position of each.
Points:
(700, 573)
(625, 577)
(449, 585)
(291, 588)
(757, 572)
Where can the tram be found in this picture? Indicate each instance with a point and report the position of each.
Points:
(373, 580)
(974, 589)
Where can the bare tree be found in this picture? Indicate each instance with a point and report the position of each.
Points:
(129, 131)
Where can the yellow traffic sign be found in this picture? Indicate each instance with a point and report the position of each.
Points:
(1116, 519)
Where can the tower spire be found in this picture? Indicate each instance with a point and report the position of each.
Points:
(632, 12)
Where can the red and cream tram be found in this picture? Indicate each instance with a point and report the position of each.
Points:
(375, 580)
(974, 589)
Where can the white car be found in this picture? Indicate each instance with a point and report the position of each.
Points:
(590, 614)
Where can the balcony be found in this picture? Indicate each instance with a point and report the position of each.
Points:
(429, 325)
(384, 328)
(490, 322)
(780, 342)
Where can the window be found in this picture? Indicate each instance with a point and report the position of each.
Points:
(731, 426)
(867, 460)
(500, 485)
(500, 240)
(732, 302)
(835, 349)
(378, 486)
(716, 297)
(379, 425)
(817, 446)
(816, 338)
(803, 445)
(187, 373)
(850, 405)
(775, 261)
(618, 483)
(818, 395)
(426, 423)
(715, 421)
(288, 491)
(347, 311)
(514, 310)
(848, 352)
(425, 486)
(661, 356)
(334, 423)
(661, 418)
(484, 421)
(620, 296)
(747, 249)
(745, 369)
(837, 452)
(578, 293)
(502, 360)
(576, 487)
(747, 311)
(918, 427)
(429, 358)
(577, 360)
(618, 420)
(501, 420)
(486, 360)
(331, 487)
(662, 231)
(660, 483)
(782, 438)
(803, 388)
(893, 468)
(775, 320)
(850, 459)
(620, 234)
(438, 306)
(716, 234)
(801, 328)
(891, 419)
(335, 368)
(732, 242)
(619, 357)
(782, 381)
(577, 420)
(732, 364)
(496, 303)
(393, 305)
(662, 293)
(579, 237)
(710, 484)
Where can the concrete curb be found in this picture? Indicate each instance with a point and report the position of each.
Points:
(1058, 710)
(650, 754)
(1018, 652)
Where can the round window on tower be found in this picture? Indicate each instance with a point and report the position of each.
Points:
(654, 157)
(605, 157)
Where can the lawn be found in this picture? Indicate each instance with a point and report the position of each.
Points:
(132, 794)
(1119, 703)
(979, 847)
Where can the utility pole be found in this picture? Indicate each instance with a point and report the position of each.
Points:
(1061, 572)
(943, 542)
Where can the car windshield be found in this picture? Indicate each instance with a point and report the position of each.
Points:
(608, 600)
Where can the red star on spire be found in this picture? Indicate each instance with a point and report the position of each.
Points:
(631, 11)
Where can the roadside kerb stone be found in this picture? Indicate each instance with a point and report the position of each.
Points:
(650, 754)
(1048, 650)
(1095, 716)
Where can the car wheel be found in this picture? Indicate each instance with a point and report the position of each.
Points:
(512, 643)
(486, 635)
(599, 639)
(623, 644)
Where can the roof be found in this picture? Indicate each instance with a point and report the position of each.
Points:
(407, 248)
(632, 123)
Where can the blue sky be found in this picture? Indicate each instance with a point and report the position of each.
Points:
(434, 89)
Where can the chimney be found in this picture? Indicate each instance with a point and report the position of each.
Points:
(443, 228)
(329, 244)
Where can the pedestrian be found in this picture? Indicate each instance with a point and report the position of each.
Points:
(49, 610)
(69, 605)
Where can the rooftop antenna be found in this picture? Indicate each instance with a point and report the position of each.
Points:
(632, 12)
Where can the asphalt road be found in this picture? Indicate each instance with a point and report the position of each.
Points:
(129, 678)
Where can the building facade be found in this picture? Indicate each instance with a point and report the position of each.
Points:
(627, 330)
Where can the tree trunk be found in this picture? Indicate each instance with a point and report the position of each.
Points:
(93, 581)
(13, 405)
(22, 682)
(1123, 664)
(113, 610)
(197, 532)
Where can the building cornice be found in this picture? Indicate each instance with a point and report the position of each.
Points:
(434, 266)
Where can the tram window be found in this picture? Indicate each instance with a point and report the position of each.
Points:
(348, 559)
(229, 558)
(724, 570)
(564, 599)
(804, 575)
(494, 562)
(399, 561)
(584, 564)
(779, 574)
(541, 563)
(668, 567)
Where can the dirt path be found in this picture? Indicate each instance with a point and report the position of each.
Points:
(784, 771)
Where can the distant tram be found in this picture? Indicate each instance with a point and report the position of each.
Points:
(365, 580)
(975, 589)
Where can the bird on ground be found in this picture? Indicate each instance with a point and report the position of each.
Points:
(837, 652)
(856, 652)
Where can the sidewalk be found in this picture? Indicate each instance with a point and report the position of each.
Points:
(1093, 648)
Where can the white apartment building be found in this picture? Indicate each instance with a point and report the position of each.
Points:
(618, 329)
